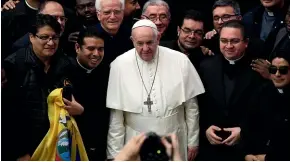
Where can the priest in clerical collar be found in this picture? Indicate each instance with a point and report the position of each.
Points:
(267, 138)
(153, 88)
(90, 79)
(229, 81)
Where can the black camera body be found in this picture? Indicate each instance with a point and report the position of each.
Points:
(153, 149)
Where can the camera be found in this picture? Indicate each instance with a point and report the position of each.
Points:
(153, 149)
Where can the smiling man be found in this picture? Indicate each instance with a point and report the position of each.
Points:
(158, 12)
(90, 90)
(229, 82)
(117, 37)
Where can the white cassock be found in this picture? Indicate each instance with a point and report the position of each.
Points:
(174, 92)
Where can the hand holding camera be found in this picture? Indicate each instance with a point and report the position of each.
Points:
(152, 147)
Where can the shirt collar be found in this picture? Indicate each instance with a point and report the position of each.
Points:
(88, 71)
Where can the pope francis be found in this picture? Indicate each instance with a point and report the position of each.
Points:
(153, 88)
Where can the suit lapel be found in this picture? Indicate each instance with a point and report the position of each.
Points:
(241, 84)
(214, 79)
(279, 37)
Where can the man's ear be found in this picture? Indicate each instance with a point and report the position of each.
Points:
(31, 37)
(98, 15)
(178, 30)
(158, 36)
(77, 48)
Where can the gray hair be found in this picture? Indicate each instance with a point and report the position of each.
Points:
(98, 4)
(155, 3)
(231, 3)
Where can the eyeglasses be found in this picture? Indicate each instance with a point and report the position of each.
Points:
(194, 32)
(47, 38)
(223, 18)
(61, 18)
(154, 18)
(108, 13)
(283, 70)
(231, 41)
(82, 7)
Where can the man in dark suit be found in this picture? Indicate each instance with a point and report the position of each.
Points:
(229, 81)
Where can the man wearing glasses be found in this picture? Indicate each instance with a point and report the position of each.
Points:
(190, 36)
(229, 82)
(50, 8)
(159, 13)
(223, 11)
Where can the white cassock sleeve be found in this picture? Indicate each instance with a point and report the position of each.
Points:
(192, 121)
(116, 135)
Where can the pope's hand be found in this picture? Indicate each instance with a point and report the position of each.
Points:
(130, 151)
(73, 107)
(191, 153)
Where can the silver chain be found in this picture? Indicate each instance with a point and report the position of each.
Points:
(142, 77)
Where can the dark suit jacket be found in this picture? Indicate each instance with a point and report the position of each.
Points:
(253, 20)
(269, 124)
(218, 109)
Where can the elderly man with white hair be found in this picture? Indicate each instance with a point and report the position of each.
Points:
(116, 36)
(153, 88)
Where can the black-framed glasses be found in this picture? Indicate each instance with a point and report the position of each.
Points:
(283, 70)
(223, 18)
(82, 7)
(47, 38)
(194, 32)
(154, 18)
(61, 18)
(231, 41)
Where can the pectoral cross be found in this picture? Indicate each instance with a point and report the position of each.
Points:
(148, 103)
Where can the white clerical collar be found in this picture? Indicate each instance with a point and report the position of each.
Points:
(30, 6)
(280, 91)
(87, 70)
(233, 62)
(147, 62)
(270, 13)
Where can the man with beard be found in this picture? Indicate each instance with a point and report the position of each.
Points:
(131, 7)
(190, 36)
(90, 91)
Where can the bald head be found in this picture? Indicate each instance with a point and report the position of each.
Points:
(54, 9)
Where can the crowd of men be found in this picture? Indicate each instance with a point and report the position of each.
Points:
(223, 92)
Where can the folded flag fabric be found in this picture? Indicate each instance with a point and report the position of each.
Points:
(63, 141)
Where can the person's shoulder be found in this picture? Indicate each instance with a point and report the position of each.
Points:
(125, 57)
(253, 12)
(168, 44)
(210, 62)
(17, 11)
(173, 53)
